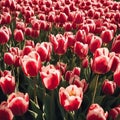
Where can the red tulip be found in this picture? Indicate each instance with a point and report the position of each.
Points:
(107, 36)
(81, 49)
(50, 76)
(7, 83)
(114, 112)
(71, 97)
(101, 62)
(5, 112)
(95, 112)
(59, 43)
(18, 35)
(18, 103)
(108, 87)
(95, 43)
(116, 44)
(44, 49)
(116, 76)
(31, 64)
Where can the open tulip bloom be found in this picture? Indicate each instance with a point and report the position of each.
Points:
(59, 60)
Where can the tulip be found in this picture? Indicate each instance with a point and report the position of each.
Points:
(95, 112)
(108, 87)
(116, 75)
(71, 97)
(7, 84)
(50, 76)
(44, 49)
(95, 43)
(114, 112)
(18, 35)
(115, 45)
(18, 103)
(59, 43)
(5, 112)
(31, 64)
(107, 36)
(101, 62)
(81, 49)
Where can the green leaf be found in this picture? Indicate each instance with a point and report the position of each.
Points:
(34, 114)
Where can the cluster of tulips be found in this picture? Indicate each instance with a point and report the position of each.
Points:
(59, 60)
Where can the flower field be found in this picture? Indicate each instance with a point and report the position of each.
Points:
(59, 60)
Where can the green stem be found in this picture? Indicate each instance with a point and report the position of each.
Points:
(17, 86)
(35, 90)
(95, 89)
(52, 106)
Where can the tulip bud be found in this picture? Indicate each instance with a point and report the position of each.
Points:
(18, 35)
(95, 112)
(18, 103)
(108, 87)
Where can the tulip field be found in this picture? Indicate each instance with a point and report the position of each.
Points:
(59, 60)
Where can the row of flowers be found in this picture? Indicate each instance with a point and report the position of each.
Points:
(60, 59)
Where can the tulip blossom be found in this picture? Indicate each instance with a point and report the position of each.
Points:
(71, 97)
(7, 84)
(5, 112)
(50, 76)
(18, 103)
(108, 87)
(31, 64)
(59, 43)
(96, 112)
(101, 62)
(114, 112)
(12, 57)
(18, 35)
(116, 76)
(44, 49)
(115, 45)
(4, 35)
(81, 49)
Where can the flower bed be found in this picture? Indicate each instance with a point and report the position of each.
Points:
(59, 60)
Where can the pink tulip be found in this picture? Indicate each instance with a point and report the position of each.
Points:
(31, 64)
(96, 112)
(50, 76)
(71, 97)
(108, 87)
(18, 103)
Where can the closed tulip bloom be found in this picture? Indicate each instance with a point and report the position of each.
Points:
(114, 112)
(116, 76)
(18, 103)
(4, 35)
(81, 49)
(18, 35)
(108, 87)
(8, 58)
(71, 97)
(7, 84)
(50, 76)
(31, 64)
(96, 112)
(44, 49)
(107, 36)
(95, 43)
(5, 112)
(101, 62)
(59, 43)
(115, 45)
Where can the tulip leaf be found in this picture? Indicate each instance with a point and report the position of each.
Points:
(34, 114)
